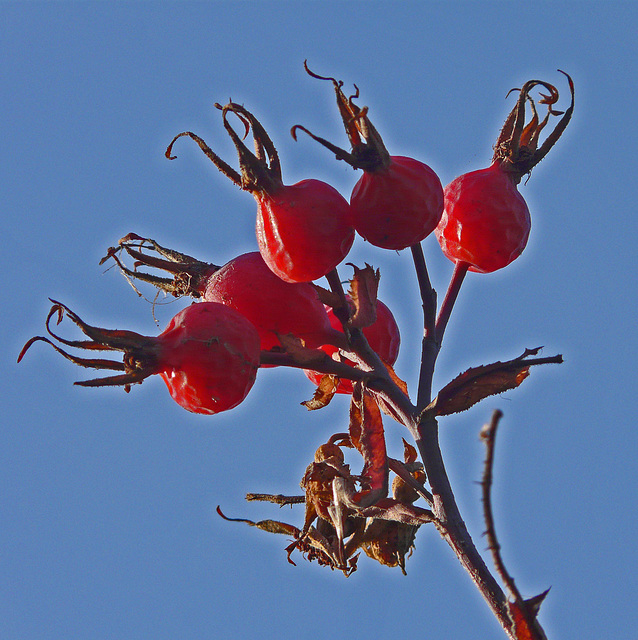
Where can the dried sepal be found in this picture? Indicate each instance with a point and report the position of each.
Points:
(334, 530)
(313, 544)
(324, 393)
(259, 171)
(189, 274)
(140, 352)
(368, 150)
(367, 435)
(393, 524)
(517, 148)
(389, 543)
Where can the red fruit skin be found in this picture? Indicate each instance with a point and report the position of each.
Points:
(486, 222)
(304, 230)
(397, 206)
(208, 356)
(383, 336)
(247, 285)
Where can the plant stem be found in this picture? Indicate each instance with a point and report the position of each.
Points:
(428, 294)
(460, 270)
(425, 432)
(429, 346)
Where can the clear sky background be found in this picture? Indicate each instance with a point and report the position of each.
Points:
(108, 526)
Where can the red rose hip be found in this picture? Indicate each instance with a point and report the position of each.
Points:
(208, 355)
(303, 230)
(398, 201)
(486, 222)
(246, 284)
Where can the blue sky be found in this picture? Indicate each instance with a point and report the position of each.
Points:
(108, 499)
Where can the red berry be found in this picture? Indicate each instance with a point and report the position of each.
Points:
(398, 201)
(397, 206)
(304, 230)
(208, 355)
(246, 284)
(486, 222)
(383, 336)
(275, 307)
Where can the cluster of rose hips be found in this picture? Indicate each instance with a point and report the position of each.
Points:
(264, 308)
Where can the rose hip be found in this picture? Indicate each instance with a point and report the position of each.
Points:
(246, 284)
(208, 355)
(303, 230)
(398, 201)
(486, 222)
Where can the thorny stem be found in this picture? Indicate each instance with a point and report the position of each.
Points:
(528, 608)
(428, 294)
(382, 383)
(425, 431)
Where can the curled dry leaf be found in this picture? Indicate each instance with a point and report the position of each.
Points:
(272, 526)
(383, 405)
(389, 543)
(324, 393)
(327, 297)
(367, 435)
(363, 294)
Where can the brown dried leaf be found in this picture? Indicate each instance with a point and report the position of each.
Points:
(395, 378)
(367, 435)
(323, 394)
(478, 383)
(363, 293)
(327, 297)
(389, 542)
(272, 526)
(409, 452)
(395, 511)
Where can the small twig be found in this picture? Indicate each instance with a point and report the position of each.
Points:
(322, 363)
(380, 380)
(488, 435)
(453, 529)
(428, 294)
(341, 311)
(528, 608)
(276, 499)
